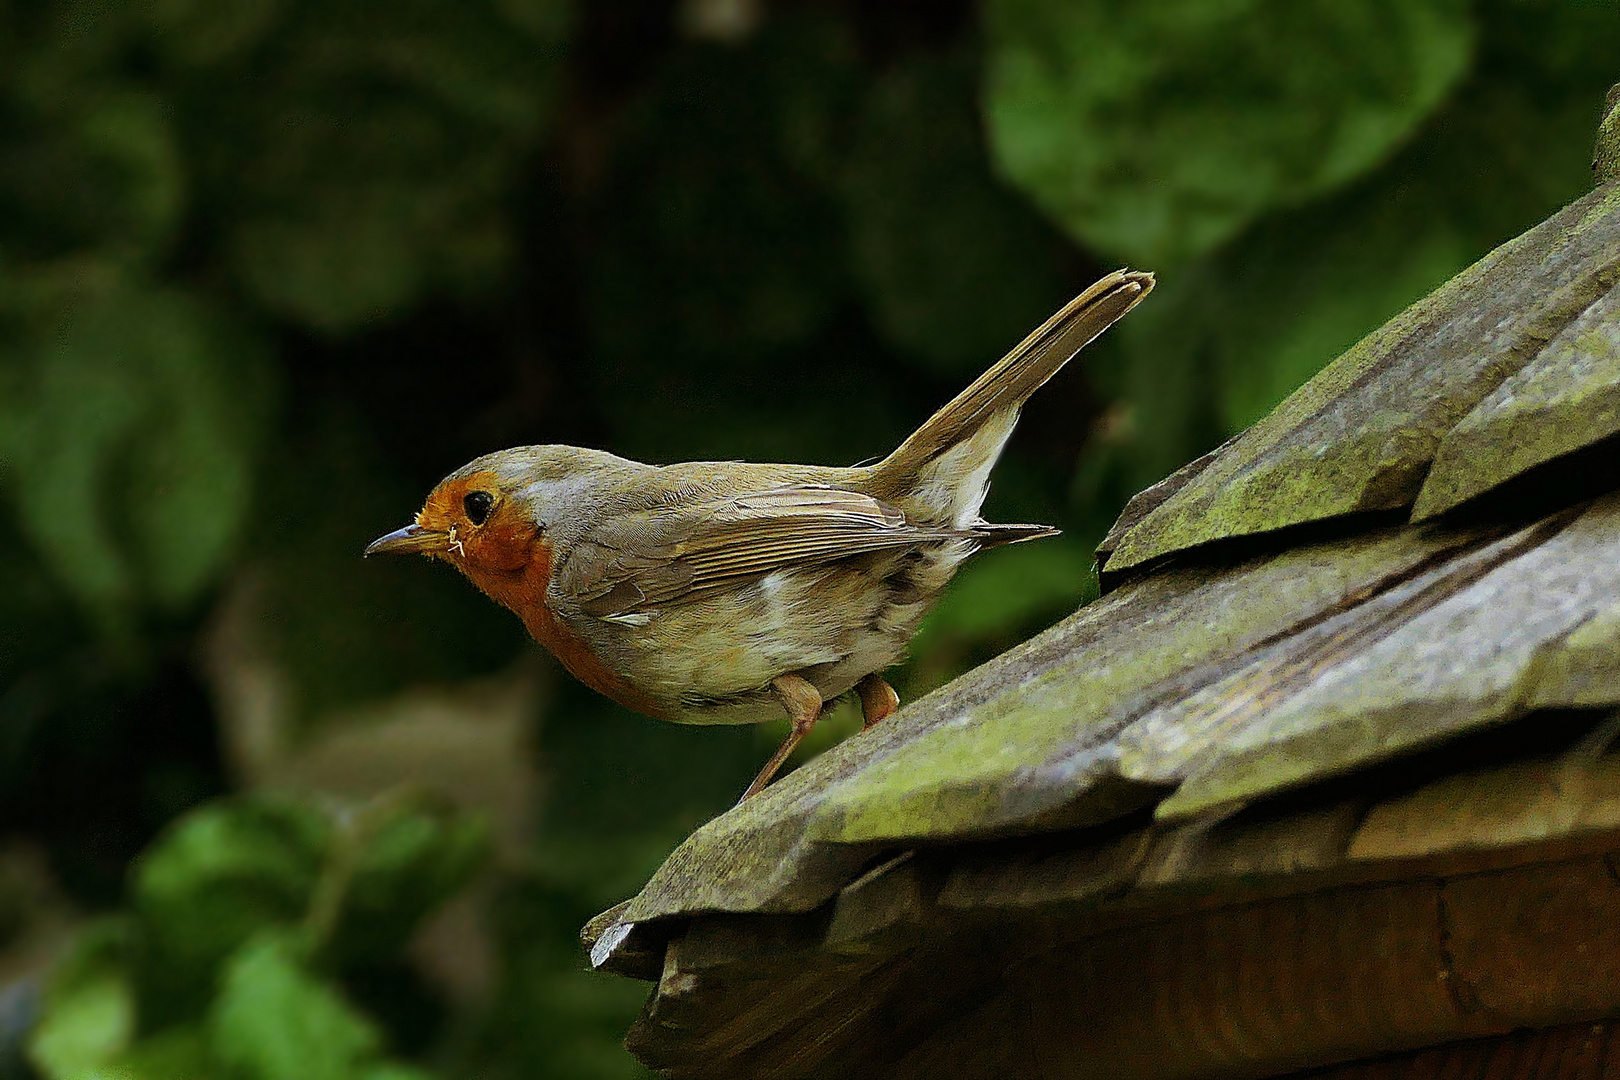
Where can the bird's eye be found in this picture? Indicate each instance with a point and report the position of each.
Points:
(478, 504)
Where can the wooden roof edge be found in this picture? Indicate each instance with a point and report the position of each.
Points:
(1446, 939)
(1547, 807)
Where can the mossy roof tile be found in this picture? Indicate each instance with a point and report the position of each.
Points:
(1565, 399)
(1361, 435)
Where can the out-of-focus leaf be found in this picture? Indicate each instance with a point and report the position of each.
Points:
(551, 1017)
(85, 1028)
(97, 169)
(391, 1070)
(130, 442)
(176, 1053)
(959, 276)
(1156, 131)
(1227, 336)
(230, 912)
(547, 21)
(276, 1020)
(365, 155)
(91, 162)
(718, 281)
(814, 82)
(89, 1015)
(204, 32)
(39, 634)
(410, 862)
(224, 874)
(1306, 285)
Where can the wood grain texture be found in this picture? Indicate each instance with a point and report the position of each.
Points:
(1195, 985)
(1588, 1051)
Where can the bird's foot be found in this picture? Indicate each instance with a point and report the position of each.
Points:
(878, 699)
(803, 704)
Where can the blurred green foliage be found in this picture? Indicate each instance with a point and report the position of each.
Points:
(243, 921)
(1246, 106)
(269, 268)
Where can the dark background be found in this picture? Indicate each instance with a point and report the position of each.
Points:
(270, 268)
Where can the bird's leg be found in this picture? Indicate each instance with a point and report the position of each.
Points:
(803, 704)
(878, 699)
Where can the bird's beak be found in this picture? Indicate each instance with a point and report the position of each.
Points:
(410, 538)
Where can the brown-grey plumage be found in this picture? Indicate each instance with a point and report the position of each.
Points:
(691, 591)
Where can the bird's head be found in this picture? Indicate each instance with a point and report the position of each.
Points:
(489, 515)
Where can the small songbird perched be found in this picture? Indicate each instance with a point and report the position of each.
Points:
(722, 592)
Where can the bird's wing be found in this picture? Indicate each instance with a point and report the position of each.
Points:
(669, 554)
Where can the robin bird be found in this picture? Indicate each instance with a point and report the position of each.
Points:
(724, 592)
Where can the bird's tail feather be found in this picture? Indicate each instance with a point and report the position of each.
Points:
(990, 536)
(1000, 391)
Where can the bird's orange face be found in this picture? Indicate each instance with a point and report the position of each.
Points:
(469, 522)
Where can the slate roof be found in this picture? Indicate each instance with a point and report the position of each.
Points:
(1268, 802)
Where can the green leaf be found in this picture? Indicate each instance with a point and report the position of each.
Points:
(84, 1030)
(223, 874)
(276, 1020)
(130, 134)
(409, 862)
(1155, 132)
(89, 1015)
(130, 442)
(204, 32)
(958, 277)
(391, 1070)
(1226, 336)
(550, 1017)
(361, 156)
(92, 162)
(176, 1053)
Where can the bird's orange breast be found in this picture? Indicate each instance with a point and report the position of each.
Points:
(524, 592)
